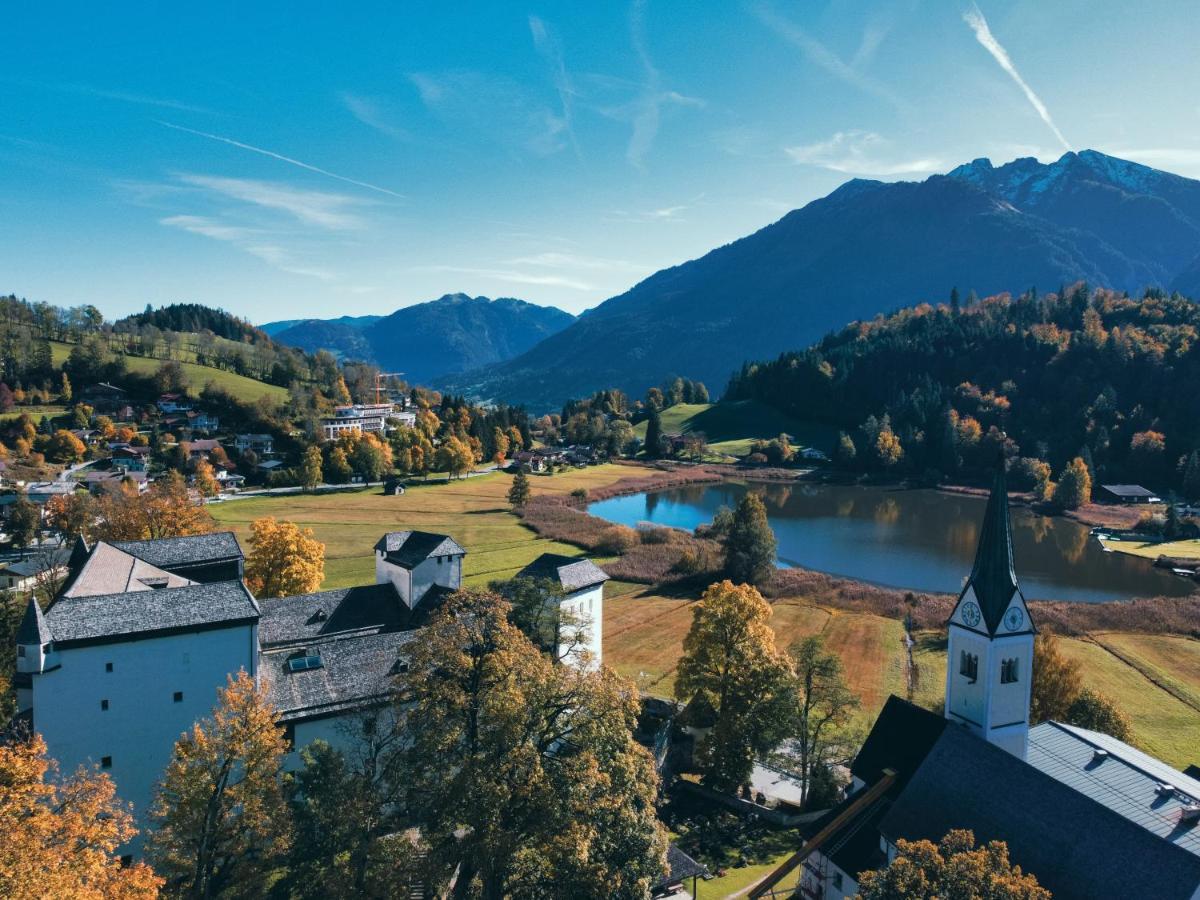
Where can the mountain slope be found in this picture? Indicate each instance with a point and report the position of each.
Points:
(867, 248)
(429, 340)
(356, 322)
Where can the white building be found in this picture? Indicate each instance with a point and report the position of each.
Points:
(357, 419)
(579, 592)
(414, 562)
(1088, 815)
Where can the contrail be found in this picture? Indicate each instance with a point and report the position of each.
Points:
(281, 158)
(974, 18)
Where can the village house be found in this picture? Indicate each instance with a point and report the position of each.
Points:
(201, 447)
(104, 397)
(173, 403)
(1087, 814)
(24, 575)
(262, 445)
(143, 634)
(199, 420)
(1128, 493)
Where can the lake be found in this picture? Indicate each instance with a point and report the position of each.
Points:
(917, 539)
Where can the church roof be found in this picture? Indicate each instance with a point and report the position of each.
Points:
(1075, 842)
(110, 570)
(33, 628)
(993, 577)
(189, 550)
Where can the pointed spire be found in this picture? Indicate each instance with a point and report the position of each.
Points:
(993, 577)
(33, 628)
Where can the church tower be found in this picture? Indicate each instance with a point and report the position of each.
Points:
(989, 663)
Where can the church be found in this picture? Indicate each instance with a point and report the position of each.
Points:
(143, 633)
(1090, 816)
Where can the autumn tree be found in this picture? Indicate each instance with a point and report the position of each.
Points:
(732, 678)
(310, 468)
(750, 544)
(888, 449)
(205, 480)
(821, 710)
(1092, 710)
(1074, 488)
(952, 869)
(519, 492)
(1056, 680)
(500, 442)
(284, 559)
(455, 457)
(24, 522)
(165, 510)
(62, 835)
(64, 447)
(220, 818)
(339, 470)
(516, 768)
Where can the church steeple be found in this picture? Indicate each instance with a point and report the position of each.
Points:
(990, 640)
(993, 577)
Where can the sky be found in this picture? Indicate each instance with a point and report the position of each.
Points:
(315, 160)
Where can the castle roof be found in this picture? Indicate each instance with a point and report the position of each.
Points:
(571, 573)
(409, 549)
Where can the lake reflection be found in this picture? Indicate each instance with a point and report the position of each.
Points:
(922, 540)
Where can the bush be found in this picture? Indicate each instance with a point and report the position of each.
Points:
(580, 494)
(617, 539)
(654, 534)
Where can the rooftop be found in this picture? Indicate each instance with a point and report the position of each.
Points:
(146, 612)
(185, 551)
(110, 570)
(1128, 490)
(573, 573)
(292, 620)
(410, 548)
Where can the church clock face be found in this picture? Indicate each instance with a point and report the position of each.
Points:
(970, 613)
(1013, 619)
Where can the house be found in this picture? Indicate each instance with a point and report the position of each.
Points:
(173, 403)
(357, 419)
(105, 397)
(24, 574)
(680, 868)
(262, 444)
(143, 633)
(812, 454)
(202, 421)
(1128, 493)
(99, 481)
(201, 448)
(1088, 815)
(579, 592)
(531, 460)
(38, 493)
(131, 458)
(406, 419)
(268, 465)
(417, 562)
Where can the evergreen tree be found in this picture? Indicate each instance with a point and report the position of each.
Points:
(1191, 476)
(65, 393)
(518, 493)
(654, 437)
(750, 547)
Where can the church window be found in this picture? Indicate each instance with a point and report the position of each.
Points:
(179, 696)
(103, 705)
(20, 650)
(1008, 671)
(106, 762)
(968, 665)
(108, 667)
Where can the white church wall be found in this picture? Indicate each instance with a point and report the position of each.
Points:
(586, 608)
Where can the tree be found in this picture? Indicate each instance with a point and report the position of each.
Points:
(750, 547)
(64, 447)
(500, 443)
(515, 768)
(220, 817)
(888, 448)
(654, 435)
(1094, 711)
(24, 522)
(733, 679)
(166, 510)
(455, 457)
(371, 458)
(536, 609)
(61, 835)
(519, 492)
(953, 869)
(204, 480)
(1191, 476)
(1056, 680)
(823, 708)
(65, 393)
(284, 559)
(70, 514)
(846, 451)
(1074, 488)
(339, 466)
(310, 468)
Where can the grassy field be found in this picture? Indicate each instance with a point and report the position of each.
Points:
(35, 412)
(1189, 549)
(732, 427)
(241, 387)
(473, 511)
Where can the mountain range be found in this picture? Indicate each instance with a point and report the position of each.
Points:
(868, 248)
(427, 341)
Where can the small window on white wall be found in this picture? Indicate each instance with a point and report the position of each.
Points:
(1008, 671)
(968, 665)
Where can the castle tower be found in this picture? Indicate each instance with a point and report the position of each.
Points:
(990, 652)
(34, 646)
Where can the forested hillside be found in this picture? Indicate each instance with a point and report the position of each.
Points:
(1089, 373)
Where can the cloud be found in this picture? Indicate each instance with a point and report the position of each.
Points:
(546, 41)
(310, 207)
(514, 276)
(287, 159)
(138, 99)
(820, 55)
(661, 214)
(555, 260)
(978, 24)
(249, 240)
(497, 108)
(1176, 159)
(859, 153)
(368, 112)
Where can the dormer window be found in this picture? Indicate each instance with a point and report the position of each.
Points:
(318, 616)
(304, 663)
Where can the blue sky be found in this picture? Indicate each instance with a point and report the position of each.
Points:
(298, 160)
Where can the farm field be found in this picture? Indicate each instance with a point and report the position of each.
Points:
(241, 387)
(474, 511)
(1189, 549)
(35, 412)
(732, 427)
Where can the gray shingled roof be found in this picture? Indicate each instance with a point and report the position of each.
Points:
(307, 617)
(356, 670)
(40, 562)
(109, 570)
(1128, 490)
(410, 548)
(185, 551)
(1124, 779)
(679, 867)
(107, 616)
(572, 573)
(33, 628)
(1076, 846)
